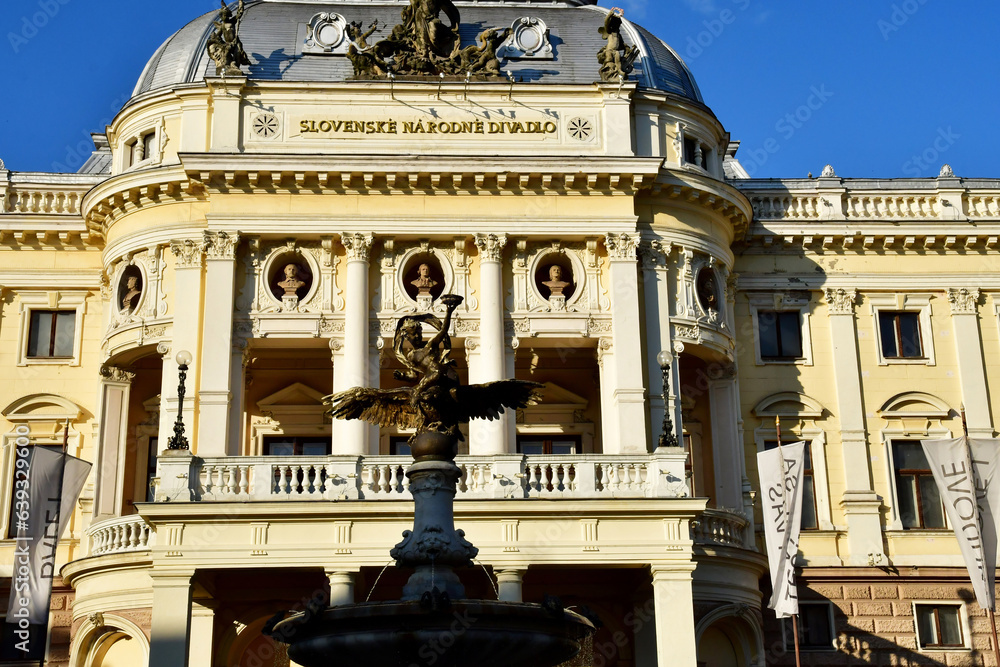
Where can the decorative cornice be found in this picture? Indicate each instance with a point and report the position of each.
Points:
(491, 246)
(964, 301)
(115, 374)
(221, 245)
(358, 245)
(188, 253)
(622, 246)
(841, 301)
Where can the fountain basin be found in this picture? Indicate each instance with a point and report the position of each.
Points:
(409, 634)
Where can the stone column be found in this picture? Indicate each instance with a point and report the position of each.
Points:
(656, 281)
(727, 445)
(488, 438)
(860, 502)
(673, 601)
(202, 635)
(215, 396)
(628, 392)
(510, 583)
(351, 368)
(188, 264)
(168, 387)
(171, 627)
(971, 368)
(341, 587)
(112, 438)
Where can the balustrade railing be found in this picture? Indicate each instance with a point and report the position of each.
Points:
(119, 535)
(721, 528)
(270, 478)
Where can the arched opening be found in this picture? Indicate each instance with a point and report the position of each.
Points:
(716, 649)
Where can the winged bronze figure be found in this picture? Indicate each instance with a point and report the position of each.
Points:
(437, 402)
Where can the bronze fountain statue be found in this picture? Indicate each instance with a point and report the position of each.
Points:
(397, 634)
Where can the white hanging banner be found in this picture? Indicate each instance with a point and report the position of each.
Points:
(965, 471)
(781, 484)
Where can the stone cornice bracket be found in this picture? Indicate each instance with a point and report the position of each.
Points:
(841, 301)
(188, 253)
(358, 246)
(115, 374)
(221, 245)
(163, 349)
(622, 246)
(964, 301)
(491, 246)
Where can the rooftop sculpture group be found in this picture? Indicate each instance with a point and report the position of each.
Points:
(224, 45)
(617, 60)
(423, 44)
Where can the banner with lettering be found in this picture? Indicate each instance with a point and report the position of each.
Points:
(46, 487)
(965, 471)
(781, 477)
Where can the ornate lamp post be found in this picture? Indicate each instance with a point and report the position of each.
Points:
(668, 438)
(178, 441)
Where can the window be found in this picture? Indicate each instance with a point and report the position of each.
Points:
(939, 625)
(147, 145)
(780, 334)
(548, 444)
(917, 497)
(815, 627)
(810, 515)
(900, 335)
(11, 520)
(695, 153)
(282, 445)
(52, 334)
(400, 446)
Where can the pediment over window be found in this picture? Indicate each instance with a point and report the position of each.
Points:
(291, 397)
(790, 404)
(43, 408)
(915, 404)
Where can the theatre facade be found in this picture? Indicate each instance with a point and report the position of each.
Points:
(269, 220)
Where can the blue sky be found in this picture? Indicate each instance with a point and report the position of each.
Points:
(884, 88)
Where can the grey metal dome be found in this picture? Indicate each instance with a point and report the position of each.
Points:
(272, 35)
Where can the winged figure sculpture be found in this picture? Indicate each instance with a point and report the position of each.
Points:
(437, 402)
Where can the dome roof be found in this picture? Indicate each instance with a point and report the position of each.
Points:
(272, 34)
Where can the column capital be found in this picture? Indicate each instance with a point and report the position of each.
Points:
(622, 246)
(116, 374)
(655, 253)
(358, 245)
(221, 245)
(964, 301)
(841, 301)
(491, 246)
(188, 253)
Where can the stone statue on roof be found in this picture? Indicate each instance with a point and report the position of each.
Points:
(224, 45)
(617, 60)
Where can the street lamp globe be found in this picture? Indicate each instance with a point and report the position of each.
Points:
(184, 358)
(664, 358)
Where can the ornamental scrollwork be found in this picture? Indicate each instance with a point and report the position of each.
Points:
(841, 300)
(187, 253)
(491, 246)
(963, 301)
(116, 374)
(622, 246)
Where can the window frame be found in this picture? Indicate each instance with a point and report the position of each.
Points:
(547, 439)
(904, 303)
(815, 439)
(50, 301)
(915, 471)
(297, 443)
(788, 638)
(963, 626)
(781, 303)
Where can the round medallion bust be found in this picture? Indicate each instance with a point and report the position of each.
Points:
(432, 446)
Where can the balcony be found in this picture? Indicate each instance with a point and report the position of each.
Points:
(185, 478)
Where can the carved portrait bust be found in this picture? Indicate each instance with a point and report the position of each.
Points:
(291, 284)
(556, 283)
(708, 290)
(132, 293)
(424, 282)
